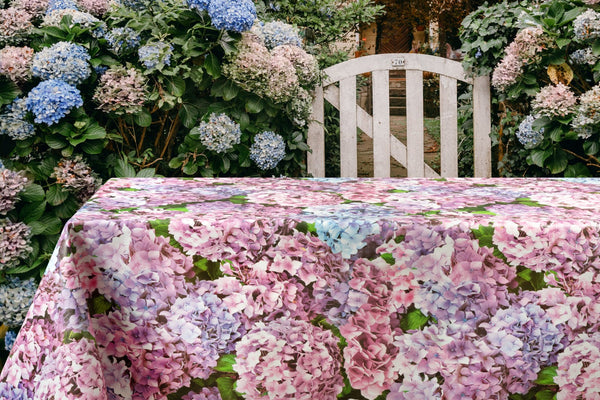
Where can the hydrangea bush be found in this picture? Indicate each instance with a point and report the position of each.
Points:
(546, 85)
(91, 89)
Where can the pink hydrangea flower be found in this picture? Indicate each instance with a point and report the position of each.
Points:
(554, 101)
(15, 63)
(288, 359)
(578, 366)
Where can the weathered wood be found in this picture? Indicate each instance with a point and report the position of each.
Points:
(448, 127)
(348, 149)
(414, 124)
(352, 116)
(315, 161)
(381, 124)
(482, 127)
(410, 61)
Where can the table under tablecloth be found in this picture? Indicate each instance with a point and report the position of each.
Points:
(311, 288)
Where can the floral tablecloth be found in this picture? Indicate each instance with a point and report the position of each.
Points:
(313, 289)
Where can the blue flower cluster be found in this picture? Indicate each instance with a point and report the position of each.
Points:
(346, 236)
(584, 56)
(527, 135)
(9, 340)
(13, 123)
(16, 296)
(198, 5)
(8, 391)
(267, 150)
(122, 40)
(219, 134)
(135, 4)
(232, 15)
(51, 100)
(54, 5)
(65, 61)
(587, 25)
(277, 33)
(155, 55)
(2, 165)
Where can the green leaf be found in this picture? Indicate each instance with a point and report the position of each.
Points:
(389, 258)
(225, 385)
(562, 42)
(230, 90)
(94, 131)
(225, 363)
(33, 193)
(545, 394)
(124, 170)
(99, 305)
(67, 208)
(8, 91)
(176, 86)
(212, 65)
(93, 146)
(32, 212)
(143, 118)
(56, 195)
(254, 105)
(189, 113)
(414, 319)
(546, 375)
(578, 170)
(557, 162)
(537, 157)
(591, 147)
(55, 142)
(146, 173)
(596, 47)
(46, 225)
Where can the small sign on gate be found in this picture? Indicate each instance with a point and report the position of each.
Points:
(398, 63)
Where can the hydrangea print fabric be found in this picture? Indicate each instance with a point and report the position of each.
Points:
(318, 289)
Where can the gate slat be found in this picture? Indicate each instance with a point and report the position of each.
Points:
(348, 148)
(414, 124)
(315, 161)
(448, 127)
(482, 126)
(381, 124)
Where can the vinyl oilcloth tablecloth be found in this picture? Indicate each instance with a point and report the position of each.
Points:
(313, 289)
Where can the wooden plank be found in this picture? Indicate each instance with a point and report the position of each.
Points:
(411, 61)
(348, 143)
(315, 159)
(448, 127)
(414, 124)
(365, 124)
(482, 127)
(381, 124)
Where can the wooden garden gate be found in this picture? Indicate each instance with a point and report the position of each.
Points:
(377, 126)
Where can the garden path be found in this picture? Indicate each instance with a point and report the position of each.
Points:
(398, 128)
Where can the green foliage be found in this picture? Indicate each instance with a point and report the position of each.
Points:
(486, 32)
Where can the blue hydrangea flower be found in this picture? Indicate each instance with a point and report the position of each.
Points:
(54, 5)
(584, 56)
(232, 15)
(9, 340)
(219, 134)
(8, 391)
(267, 150)
(100, 69)
(587, 25)
(13, 123)
(51, 100)
(16, 296)
(65, 61)
(277, 33)
(198, 5)
(584, 126)
(122, 40)
(527, 135)
(346, 236)
(155, 55)
(1, 165)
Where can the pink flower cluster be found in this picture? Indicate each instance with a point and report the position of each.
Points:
(15, 63)
(528, 43)
(11, 184)
(121, 91)
(578, 366)
(554, 101)
(34, 7)
(15, 25)
(288, 359)
(277, 74)
(94, 7)
(76, 176)
(211, 393)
